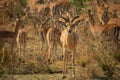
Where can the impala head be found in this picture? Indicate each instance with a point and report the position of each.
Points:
(20, 21)
(70, 23)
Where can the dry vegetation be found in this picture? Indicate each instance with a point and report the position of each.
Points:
(97, 58)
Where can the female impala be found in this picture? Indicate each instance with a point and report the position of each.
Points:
(43, 29)
(53, 39)
(98, 29)
(112, 7)
(101, 8)
(8, 38)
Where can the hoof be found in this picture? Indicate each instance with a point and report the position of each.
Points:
(20, 60)
(73, 77)
(49, 62)
(64, 77)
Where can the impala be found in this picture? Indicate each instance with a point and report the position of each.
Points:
(43, 29)
(69, 39)
(98, 29)
(53, 39)
(8, 38)
(101, 8)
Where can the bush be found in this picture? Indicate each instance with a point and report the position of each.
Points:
(117, 56)
(1, 73)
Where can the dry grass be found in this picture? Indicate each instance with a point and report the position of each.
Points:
(91, 54)
(96, 59)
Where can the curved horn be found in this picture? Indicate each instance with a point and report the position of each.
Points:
(77, 19)
(74, 18)
(62, 20)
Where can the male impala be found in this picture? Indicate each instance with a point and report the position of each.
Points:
(69, 39)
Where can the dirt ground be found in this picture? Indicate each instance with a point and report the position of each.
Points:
(35, 67)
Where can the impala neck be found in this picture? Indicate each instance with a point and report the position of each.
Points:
(96, 29)
(92, 24)
(18, 25)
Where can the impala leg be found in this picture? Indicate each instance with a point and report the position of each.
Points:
(65, 63)
(20, 51)
(24, 42)
(12, 54)
(41, 47)
(117, 37)
(3, 56)
(18, 42)
(41, 40)
(73, 63)
(55, 48)
(52, 53)
(49, 54)
(46, 47)
(100, 16)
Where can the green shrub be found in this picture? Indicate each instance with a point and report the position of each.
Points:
(106, 63)
(108, 69)
(117, 56)
(24, 2)
(78, 4)
(1, 73)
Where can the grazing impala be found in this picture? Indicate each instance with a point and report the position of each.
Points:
(98, 29)
(112, 7)
(69, 39)
(101, 8)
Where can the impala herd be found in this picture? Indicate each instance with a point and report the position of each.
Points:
(66, 38)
